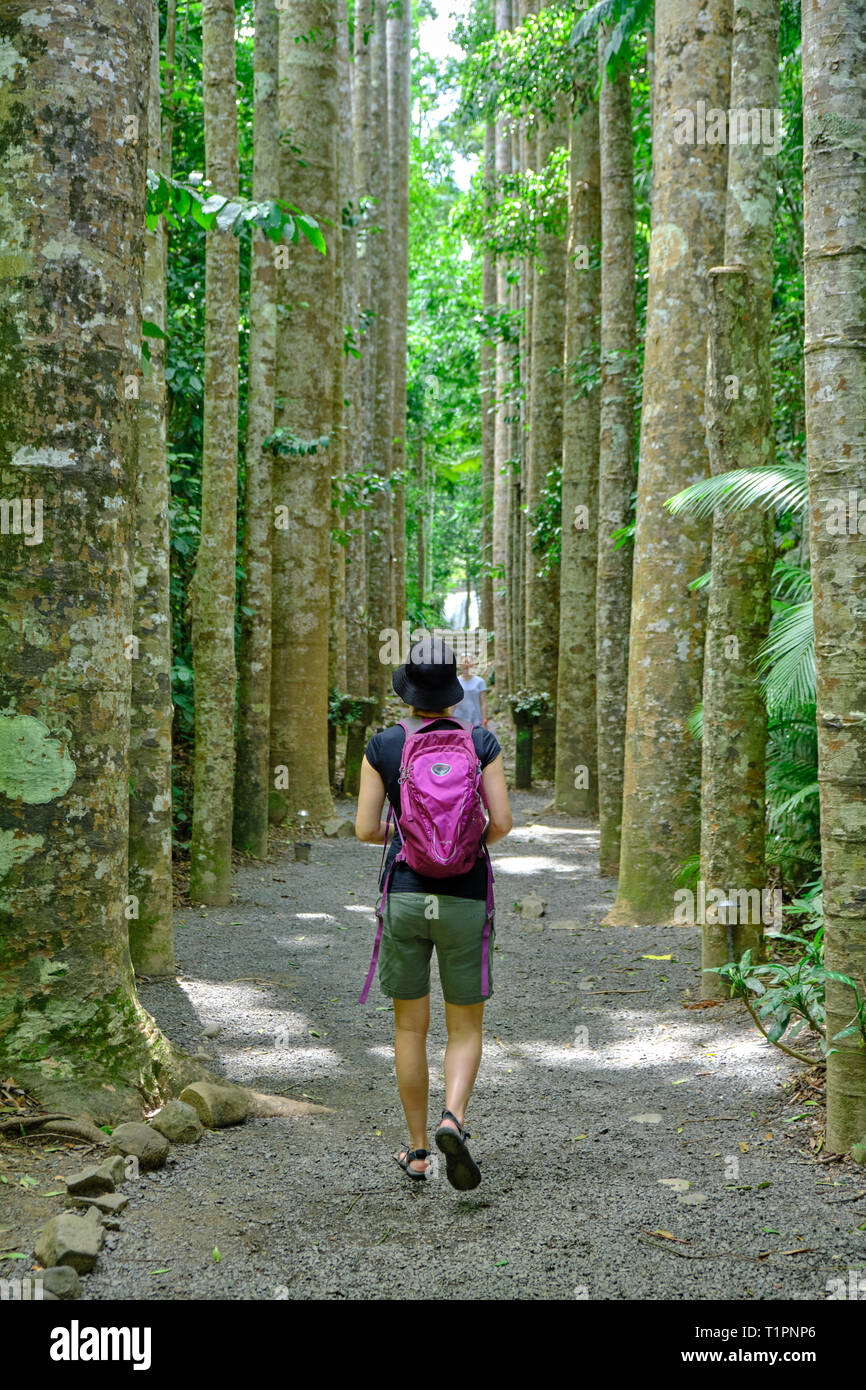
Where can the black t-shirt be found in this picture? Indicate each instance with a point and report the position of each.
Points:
(384, 752)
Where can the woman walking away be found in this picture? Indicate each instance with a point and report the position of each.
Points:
(436, 885)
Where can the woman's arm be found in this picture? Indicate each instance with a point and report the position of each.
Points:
(498, 807)
(369, 826)
(484, 706)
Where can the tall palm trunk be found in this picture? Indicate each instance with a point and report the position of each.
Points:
(661, 800)
(501, 453)
(342, 412)
(834, 75)
(213, 587)
(380, 587)
(72, 217)
(616, 449)
(400, 109)
(364, 368)
(576, 787)
(150, 884)
(488, 395)
(545, 430)
(305, 392)
(740, 434)
(252, 782)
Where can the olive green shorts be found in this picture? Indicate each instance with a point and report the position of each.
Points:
(416, 922)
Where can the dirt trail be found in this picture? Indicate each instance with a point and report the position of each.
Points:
(598, 1100)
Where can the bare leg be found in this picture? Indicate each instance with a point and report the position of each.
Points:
(411, 1021)
(462, 1056)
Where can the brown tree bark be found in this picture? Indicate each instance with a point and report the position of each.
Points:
(380, 533)
(72, 219)
(252, 780)
(213, 587)
(661, 790)
(545, 430)
(834, 172)
(616, 451)
(576, 785)
(501, 433)
(400, 110)
(739, 411)
(305, 401)
(488, 398)
(150, 884)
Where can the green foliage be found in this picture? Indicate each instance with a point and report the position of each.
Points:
(624, 18)
(527, 704)
(785, 997)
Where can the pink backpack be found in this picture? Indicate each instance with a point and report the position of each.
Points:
(441, 816)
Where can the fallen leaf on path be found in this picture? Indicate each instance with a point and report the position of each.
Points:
(665, 1235)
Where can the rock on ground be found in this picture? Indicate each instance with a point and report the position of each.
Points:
(70, 1240)
(140, 1141)
(178, 1122)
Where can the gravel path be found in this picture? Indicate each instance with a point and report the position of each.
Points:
(599, 1098)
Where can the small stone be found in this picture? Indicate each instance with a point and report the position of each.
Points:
(532, 905)
(564, 925)
(178, 1122)
(61, 1281)
(89, 1182)
(338, 828)
(650, 1118)
(212, 1030)
(108, 1205)
(858, 1152)
(216, 1106)
(201, 1056)
(692, 1199)
(140, 1141)
(114, 1167)
(70, 1240)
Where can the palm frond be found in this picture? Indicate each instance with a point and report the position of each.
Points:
(791, 582)
(787, 659)
(783, 488)
(695, 722)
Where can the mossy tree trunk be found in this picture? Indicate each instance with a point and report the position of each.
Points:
(501, 558)
(252, 782)
(576, 784)
(305, 390)
(340, 441)
(834, 170)
(73, 144)
(616, 449)
(380, 586)
(739, 411)
(150, 884)
(545, 429)
(213, 596)
(399, 40)
(488, 397)
(362, 370)
(661, 784)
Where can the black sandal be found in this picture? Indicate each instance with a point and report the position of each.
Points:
(461, 1169)
(410, 1155)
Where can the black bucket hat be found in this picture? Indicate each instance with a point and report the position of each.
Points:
(428, 680)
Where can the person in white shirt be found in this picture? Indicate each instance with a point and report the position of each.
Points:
(473, 706)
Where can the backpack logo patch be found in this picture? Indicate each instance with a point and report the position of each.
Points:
(440, 769)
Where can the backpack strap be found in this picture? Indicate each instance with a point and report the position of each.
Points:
(488, 924)
(380, 911)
